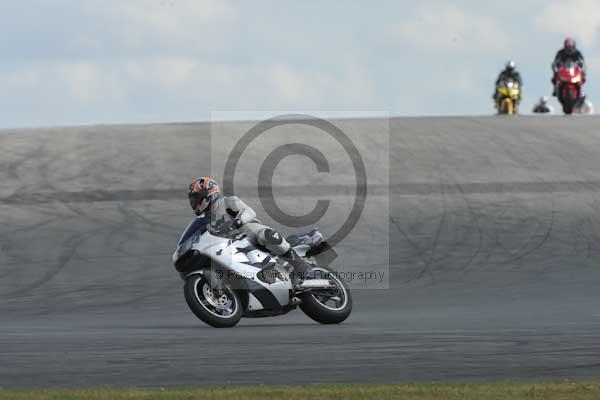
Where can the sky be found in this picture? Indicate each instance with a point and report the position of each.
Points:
(142, 61)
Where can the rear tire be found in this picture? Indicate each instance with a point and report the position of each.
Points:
(313, 302)
(223, 311)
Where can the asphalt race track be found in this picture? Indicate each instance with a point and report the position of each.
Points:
(494, 255)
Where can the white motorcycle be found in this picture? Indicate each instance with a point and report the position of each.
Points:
(227, 278)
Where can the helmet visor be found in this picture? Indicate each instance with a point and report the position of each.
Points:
(195, 200)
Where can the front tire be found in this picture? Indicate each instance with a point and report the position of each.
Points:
(506, 106)
(317, 303)
(569, 100)
(220, 311)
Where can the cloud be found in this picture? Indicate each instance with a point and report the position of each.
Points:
(288, 84)
(352, 87)
(78, 82)
(448, 27)
(165, 60)
(82, 79)
(150, 23)
(21, 79)
(579, 18)
(178, 88)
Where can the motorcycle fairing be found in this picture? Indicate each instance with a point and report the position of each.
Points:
(196, 225)
(200, 252)
(241, 261)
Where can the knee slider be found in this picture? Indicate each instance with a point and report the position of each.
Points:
(271, 237)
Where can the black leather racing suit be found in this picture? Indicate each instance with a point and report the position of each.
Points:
(504, 75)
(562, 57)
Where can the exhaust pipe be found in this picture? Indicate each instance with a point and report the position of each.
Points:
(316, 284)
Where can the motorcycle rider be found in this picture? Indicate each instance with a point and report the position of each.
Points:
(542, 107)
(229, 214)
(509, 72)
(569, 52)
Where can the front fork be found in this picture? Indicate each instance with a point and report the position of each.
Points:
(215, 280)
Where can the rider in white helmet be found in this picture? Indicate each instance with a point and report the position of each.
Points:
(542, 106)
(509, 72)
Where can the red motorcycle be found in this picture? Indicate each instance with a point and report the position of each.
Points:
(569, 82)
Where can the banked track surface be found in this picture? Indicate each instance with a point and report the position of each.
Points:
(494, 230)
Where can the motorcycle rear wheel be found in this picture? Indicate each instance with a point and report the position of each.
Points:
(316, 303)
(222, 310)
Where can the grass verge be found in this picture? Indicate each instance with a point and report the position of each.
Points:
(470, 391)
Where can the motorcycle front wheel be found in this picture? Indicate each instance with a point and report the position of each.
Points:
(220, 309)
(328, 306)
(506, 106)
(569, 99)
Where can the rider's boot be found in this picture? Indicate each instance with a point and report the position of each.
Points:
(301, 268)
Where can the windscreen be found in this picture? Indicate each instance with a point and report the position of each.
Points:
(197, 224)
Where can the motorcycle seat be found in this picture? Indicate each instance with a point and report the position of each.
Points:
(311, 238)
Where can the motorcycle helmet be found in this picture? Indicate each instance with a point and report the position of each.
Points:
(543, 99)
(202, 193)
(570, 45)
(510, 65)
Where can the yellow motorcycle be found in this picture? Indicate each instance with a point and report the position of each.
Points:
(508, 97)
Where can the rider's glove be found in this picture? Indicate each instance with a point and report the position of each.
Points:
(237, 223)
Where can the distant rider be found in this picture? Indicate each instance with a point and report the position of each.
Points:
(229, 214)
(509, 72)
(542, 107)
(569, 52)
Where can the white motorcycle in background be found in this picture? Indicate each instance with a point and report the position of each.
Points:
(227, 278)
